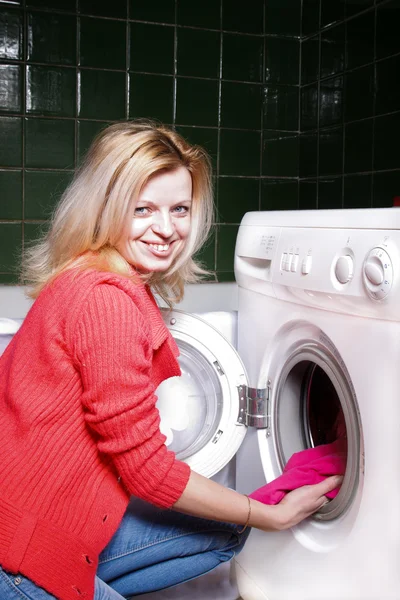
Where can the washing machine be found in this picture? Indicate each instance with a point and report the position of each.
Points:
(319, 334)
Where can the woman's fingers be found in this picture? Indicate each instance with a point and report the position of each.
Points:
(329, 484)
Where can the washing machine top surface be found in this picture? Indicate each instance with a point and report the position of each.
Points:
(358, 218)
(341, 260)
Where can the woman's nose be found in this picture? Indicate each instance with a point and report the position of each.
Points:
(163, 224)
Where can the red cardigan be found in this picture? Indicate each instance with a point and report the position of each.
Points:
(79, 427)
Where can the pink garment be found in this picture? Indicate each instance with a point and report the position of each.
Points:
(305, 468)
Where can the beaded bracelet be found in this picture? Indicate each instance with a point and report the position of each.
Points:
(248, 517)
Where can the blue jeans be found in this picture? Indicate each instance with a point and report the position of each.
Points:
(151, 550)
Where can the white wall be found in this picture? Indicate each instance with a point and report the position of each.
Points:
(201, 297)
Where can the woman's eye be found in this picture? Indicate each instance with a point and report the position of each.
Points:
(141, 211)
(181, 209)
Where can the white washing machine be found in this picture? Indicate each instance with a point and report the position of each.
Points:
(319, 333)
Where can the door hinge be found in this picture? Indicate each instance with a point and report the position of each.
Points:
(254, 405)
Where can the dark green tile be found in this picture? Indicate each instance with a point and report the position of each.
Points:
(359, 99)
(332, 51)
(104, 8)
(197, 102)
(33, 232)
(331, 151)
(360, 40)
(331, 12)
(11, 142)
(235, 197)
(355, 6)
(51, 91)
(226, 241)
(158, 40)
(281, 107)
(241, 105)
(204, 137)
(9, 278)
(206, 255)
(199, 14)
(330, 193)
(387, 88)
(69, 5)
(226, 276)
(308, 159)
(159, 11)
(102, 94)
(310, 17)
(307, 194)
(357, 191)
(43, 190)
(87, 131)
(386, 143)
(242, 57)
(280, 154)
(198, 53)
(279, 194)
(386, 188)
(331, 102)
(49, 143)
(102, 43)
(240, 152)
(358, 146)
(11, 28)
(51, 38)
(11, 195)
(10, 88)
(151, 96)
(387, 29)
(250, 20)
(282, 60)
(310, 60)
(10, 247)
(309, 107)
(283, 17)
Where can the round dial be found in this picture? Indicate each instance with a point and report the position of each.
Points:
(344, 269)
(378, 273)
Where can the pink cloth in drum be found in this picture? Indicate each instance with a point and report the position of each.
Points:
(306, 468)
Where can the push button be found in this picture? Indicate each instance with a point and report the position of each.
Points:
(295, 263)
(306, 265)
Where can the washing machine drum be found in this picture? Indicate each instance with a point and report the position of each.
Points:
(199, 410)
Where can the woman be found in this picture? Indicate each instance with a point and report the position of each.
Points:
(86, 480)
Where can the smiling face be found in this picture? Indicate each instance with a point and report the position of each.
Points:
(161, 223)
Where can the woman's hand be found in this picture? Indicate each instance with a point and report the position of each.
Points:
(303, 502)
(206, 498)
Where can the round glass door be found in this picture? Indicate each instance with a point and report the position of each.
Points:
(199, 410)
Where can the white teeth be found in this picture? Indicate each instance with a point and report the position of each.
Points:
(160, 247)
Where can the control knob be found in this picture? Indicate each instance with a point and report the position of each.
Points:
(378, 273)
(344, 269)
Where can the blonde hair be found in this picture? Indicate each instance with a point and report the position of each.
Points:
(95, 208)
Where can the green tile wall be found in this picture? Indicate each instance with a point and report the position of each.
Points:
(350, 104)
(224, 74)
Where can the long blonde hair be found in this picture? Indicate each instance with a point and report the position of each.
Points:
(94, 209)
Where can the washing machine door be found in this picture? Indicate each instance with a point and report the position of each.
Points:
(201, 410)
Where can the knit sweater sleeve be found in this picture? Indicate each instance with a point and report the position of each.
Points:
(113, 352)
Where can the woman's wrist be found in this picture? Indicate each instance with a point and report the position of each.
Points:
(267, 517)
